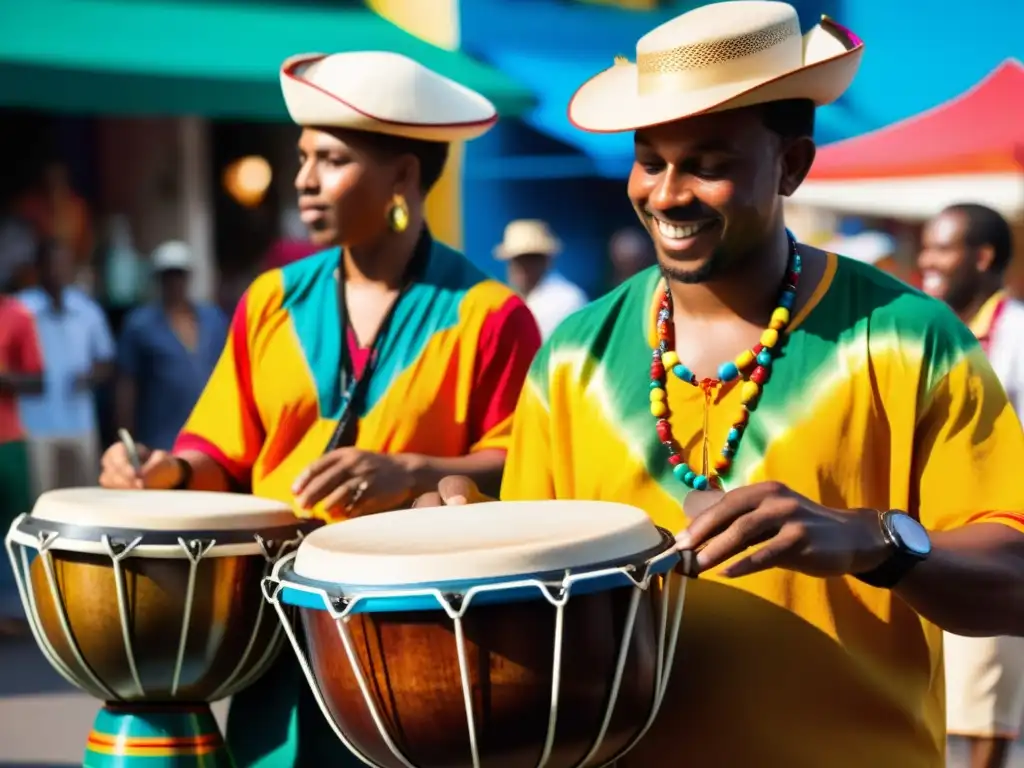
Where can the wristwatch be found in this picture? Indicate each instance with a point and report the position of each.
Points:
(908, 543)
(186, 474)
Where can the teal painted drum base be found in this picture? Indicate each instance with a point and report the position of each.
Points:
(156, 736)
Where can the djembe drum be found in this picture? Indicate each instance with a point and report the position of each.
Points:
(150, 601)
(498, 635)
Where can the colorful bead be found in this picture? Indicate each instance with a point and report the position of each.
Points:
(684, 373)
(664, 357)
(664, 431)
(728, 371)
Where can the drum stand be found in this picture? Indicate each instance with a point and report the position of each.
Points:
(157, 736)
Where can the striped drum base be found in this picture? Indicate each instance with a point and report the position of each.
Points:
(156, 736)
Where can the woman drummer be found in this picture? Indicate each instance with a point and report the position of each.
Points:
(356, 378)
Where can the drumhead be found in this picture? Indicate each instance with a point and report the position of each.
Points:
(474, 542)
(161, 510)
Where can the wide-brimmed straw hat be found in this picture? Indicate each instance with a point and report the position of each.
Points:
(721, 56)
(382, 92)
(527, 236)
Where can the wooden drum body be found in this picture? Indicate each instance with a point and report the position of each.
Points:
(559, 666)
(155, 620)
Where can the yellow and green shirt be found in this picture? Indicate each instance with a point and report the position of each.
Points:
(880, 398)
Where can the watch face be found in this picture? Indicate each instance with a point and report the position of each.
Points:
(911, 534)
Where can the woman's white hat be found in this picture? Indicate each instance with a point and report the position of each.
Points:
(382, 92)
(720, 56)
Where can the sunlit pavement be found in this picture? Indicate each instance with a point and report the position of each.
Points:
(44, 721)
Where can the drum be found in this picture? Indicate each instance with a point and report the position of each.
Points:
(150, 601)
(497, 635)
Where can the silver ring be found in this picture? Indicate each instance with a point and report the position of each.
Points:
(360, 490)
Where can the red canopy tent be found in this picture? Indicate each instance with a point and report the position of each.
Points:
(969, 148)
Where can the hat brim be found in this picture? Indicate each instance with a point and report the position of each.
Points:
(501, 253)
(611, 102)
(313, 106)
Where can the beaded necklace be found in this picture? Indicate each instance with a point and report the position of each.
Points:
(757, 360)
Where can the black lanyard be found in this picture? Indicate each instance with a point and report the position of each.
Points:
(353, 387)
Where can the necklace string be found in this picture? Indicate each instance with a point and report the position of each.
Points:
(751, 366)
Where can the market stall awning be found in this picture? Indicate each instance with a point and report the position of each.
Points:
(217, 58)
(979, 132)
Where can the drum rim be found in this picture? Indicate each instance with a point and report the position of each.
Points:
(32, 526)
(286, 577)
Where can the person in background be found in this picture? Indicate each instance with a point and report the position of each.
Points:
(630, 252)
(58, 212)
(166, 353)
(965, 251)
(20, 374)
(355, 378)
(78, 356)
(529, 248)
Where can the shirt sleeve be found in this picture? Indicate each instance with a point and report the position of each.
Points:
(103, 349)
(969, 446)
(509, 340)
(225, 423)
(128, 348)
(529, 474)
(28, 356)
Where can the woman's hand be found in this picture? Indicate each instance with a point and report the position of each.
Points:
(351, 482)
(159, 470)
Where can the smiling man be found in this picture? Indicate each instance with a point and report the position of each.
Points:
(843, 434)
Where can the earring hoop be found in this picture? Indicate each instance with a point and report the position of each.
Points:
(398, 214)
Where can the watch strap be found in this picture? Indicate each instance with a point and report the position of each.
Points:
(899, 563)
(186, 475)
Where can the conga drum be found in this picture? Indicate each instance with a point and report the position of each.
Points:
(151, 602)
(497, 635)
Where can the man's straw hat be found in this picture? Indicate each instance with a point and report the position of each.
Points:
(382, 92)
(717, 57)
(527, 236)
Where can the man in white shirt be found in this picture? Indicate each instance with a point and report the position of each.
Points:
(965, 252)
(529, 248)
(78, 355)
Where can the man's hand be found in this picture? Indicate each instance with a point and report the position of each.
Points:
(452, 491)
(351, 482)
(795, 534)
(159, 469)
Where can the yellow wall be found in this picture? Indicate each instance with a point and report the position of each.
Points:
(436, 22)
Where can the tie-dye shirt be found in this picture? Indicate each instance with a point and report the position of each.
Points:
(450, 368)
(880, 398)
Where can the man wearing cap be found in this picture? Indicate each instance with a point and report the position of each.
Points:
(832, 445)
(965, 251)
(529, 248)
(166, 352)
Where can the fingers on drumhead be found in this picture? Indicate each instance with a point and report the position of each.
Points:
(432, 499)
(457, 489)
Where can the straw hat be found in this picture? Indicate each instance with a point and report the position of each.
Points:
(527, 236)
(717, 57)
(382, 92)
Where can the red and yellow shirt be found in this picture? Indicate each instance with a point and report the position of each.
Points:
(881, 398)
(449, 372)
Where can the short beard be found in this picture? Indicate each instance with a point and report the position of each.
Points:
(709, 270)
